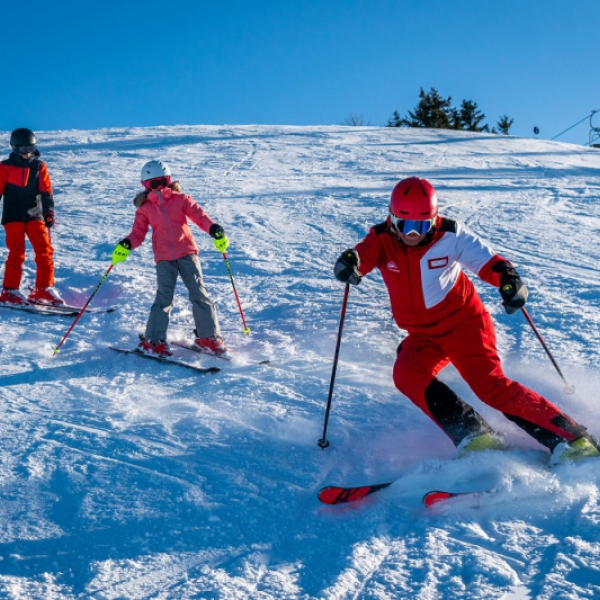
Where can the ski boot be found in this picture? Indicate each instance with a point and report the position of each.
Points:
(45, 296)
(488, 440)
(584, 447)
(12, 296)
(154, 347)
(214, 345)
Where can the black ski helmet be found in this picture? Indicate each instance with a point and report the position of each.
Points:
(22, 137)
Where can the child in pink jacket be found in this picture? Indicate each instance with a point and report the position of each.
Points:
(166, 210)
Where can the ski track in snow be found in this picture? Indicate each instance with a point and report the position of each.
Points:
(122, 479)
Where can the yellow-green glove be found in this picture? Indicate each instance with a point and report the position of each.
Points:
(221, 242)
(121, 252)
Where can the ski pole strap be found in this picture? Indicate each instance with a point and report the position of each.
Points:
(57, 349)
(237, 298)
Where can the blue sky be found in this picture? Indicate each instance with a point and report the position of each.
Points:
(125, 63)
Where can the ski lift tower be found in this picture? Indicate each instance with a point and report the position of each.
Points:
(594, 131)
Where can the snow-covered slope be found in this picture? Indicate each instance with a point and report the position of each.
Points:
(122, 478)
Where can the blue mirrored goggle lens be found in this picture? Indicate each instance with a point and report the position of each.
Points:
(26, 149)
(407, 226)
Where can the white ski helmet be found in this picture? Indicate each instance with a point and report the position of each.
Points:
(154, 169)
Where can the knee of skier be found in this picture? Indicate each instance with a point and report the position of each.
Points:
(409, 382)
(165, 299)
(163, 304)
(499, 392)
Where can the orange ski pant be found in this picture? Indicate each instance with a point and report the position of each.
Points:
(471, 348)
(37, 234)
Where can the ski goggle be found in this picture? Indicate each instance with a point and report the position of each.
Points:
(406, 226)
(30, 149)
(157, 182)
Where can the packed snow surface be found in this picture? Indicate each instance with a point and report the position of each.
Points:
(122, 478)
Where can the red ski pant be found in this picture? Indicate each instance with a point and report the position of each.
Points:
(471, 348)
(15, 242)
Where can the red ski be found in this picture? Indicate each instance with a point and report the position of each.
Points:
(340, 495)
(437, 497)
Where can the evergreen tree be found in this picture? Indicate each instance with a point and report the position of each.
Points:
(395, 121)
(437, 112)
(504, 124)
(469, 117)
(432, 111)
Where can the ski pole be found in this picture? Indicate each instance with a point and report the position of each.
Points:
(569, 389)
(57, 349)
(237, 298)
(323, 443)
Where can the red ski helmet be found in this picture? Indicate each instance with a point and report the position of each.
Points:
(414, 199)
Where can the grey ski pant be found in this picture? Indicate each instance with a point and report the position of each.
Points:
(205, 314)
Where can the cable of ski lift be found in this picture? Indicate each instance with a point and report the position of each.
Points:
(578, 122)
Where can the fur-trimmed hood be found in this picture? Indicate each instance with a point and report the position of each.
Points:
(141, 197)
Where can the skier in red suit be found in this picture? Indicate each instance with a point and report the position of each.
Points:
(420, 255)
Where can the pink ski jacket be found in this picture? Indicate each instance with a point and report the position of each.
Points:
(167, 211)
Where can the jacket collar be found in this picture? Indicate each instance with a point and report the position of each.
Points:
(165, 193)
(17, 159)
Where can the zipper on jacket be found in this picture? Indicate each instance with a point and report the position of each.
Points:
(164, 212)
(25, 174)
(410, 279)
(410, 274)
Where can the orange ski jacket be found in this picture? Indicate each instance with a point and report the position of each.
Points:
(26, 188)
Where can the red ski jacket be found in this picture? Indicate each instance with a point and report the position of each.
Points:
(429, 292)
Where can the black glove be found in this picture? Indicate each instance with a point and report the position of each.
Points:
(346, 267)
(513, 291)
(49, 219)
(216, 231)
(125, 243)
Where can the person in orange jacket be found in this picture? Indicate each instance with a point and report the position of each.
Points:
(421, 256)
(28, 212)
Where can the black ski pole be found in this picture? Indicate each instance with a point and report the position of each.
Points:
(569, 389)
(323, 443)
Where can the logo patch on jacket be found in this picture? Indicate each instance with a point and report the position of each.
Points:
(437, 263)
(393, 267)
